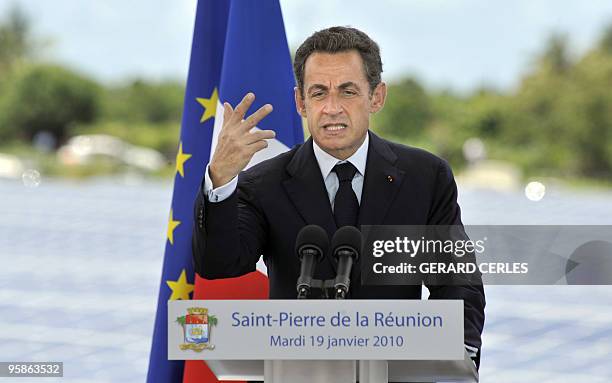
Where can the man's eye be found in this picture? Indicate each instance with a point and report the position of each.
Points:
(317, 94)
(349, 92)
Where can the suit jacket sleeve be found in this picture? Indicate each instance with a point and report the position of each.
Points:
(445, 211)
(228, 236)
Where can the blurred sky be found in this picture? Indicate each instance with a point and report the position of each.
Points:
(461, 44)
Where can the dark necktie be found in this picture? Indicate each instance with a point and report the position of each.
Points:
(346, 206)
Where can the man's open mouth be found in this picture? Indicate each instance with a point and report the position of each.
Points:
(334, 127)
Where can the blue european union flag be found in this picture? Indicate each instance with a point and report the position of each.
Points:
(239, 46)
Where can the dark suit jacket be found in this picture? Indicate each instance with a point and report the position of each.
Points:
(278, 197)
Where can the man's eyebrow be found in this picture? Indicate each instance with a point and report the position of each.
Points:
(348, 84)
(317, 87)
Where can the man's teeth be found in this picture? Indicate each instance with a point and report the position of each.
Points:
(335, 127)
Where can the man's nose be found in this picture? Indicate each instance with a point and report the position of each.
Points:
(332, 105)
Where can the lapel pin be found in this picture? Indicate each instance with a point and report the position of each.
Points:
(389, 178)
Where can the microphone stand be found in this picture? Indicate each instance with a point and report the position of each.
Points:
(345, 243)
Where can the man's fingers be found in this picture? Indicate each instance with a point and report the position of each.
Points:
(258, 145)
(227, 111)
(258, 135)
(257, 116)
(243, 106)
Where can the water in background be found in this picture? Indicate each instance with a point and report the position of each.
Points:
(80, 267)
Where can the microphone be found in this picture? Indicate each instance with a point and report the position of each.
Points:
(346, 245)
(311, 244)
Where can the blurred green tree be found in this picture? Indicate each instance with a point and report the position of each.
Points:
(556, 55)
(407, 110)
(143, 101)
(605, 44)
(16, 43)
(563, 108)
(48, 98)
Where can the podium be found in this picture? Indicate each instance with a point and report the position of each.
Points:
(362, 371)
(345, 341)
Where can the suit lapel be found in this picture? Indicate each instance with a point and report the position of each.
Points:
(306, 189)
(380, 187)
(381, 184)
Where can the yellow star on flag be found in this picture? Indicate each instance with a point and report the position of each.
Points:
(209, 104)
(180, 288)
(181, 158)
(172, 224)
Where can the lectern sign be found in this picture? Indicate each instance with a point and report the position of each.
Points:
(316, 329)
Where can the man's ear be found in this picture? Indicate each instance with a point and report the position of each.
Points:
(378, 97)
(299, 102)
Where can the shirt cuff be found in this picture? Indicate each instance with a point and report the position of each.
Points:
(222, 192)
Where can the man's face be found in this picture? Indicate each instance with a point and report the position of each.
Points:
(337, 102)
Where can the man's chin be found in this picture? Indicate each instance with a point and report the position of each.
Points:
(331, 145)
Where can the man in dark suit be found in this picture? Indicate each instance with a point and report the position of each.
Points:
(243, 215)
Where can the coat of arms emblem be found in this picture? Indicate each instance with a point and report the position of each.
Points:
(196, 329)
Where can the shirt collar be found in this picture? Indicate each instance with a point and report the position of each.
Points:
(327, 161)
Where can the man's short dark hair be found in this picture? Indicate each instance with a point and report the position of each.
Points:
(340, 39)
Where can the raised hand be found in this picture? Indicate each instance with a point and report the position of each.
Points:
(237, 144)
